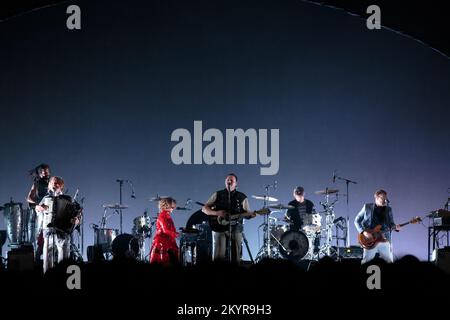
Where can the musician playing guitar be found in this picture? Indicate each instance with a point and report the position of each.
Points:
(373, 215)
(218, 207)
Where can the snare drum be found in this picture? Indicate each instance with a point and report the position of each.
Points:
(312, 223)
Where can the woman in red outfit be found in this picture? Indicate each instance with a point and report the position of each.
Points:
(164, 247)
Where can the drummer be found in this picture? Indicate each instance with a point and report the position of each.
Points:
(302, 207)
(301, 215)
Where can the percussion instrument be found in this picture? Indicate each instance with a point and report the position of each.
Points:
(17, 223)
(141, 225)
(281, 206)
(271, 199)
(294, 245)
(327, 191)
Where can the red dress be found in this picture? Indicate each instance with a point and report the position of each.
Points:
(164, 245)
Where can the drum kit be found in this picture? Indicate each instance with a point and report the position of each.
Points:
(311, 242)
(106, 238)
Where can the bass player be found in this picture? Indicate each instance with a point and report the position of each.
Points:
(371, 216)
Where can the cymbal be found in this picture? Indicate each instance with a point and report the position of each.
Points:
(157, 198)
(265, 198)
(327, 191)
(280, 206)
(115, 206)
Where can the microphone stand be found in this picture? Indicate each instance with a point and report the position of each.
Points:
(267, 235)
(347, 182)
(230, 256)
(266, 218)
(120, 181)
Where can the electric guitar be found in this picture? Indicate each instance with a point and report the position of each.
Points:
(221, 224)
(378, 236)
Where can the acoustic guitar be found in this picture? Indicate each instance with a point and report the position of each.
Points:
(221, 224)
(378, 236)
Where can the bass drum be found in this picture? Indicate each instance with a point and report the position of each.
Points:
(125, 246)
(294, 245)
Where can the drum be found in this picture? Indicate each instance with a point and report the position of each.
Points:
(64, 211)
(125, 246)
(104, 238)
(312, 223)
(278, 229)
(17, 221)
(294, 245)
(141, 225)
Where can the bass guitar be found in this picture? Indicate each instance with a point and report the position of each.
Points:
(376, 235)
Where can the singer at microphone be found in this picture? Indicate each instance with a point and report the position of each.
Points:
(221, 204)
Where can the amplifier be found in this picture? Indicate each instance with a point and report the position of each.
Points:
(441, 222)
(443, 259)
(21, 259)
(352, 252)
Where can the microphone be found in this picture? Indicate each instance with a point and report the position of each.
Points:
(133, 195)
(181, 208)
(387, 201)
(334, 176)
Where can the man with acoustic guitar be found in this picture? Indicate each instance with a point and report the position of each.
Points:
(375, 223)
(231, 206)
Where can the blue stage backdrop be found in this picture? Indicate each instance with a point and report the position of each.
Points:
(101, 103)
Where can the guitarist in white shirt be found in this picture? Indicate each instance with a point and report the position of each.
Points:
(371, 215)
(218, 206)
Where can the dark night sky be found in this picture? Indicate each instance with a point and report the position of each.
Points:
(101, 103)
